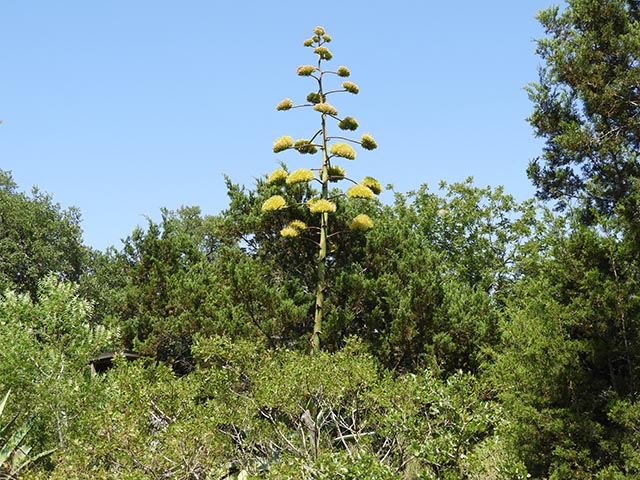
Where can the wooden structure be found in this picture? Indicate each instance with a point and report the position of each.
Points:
(104, 361)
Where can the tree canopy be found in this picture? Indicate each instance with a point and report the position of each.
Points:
(586, 106)
(37, 236)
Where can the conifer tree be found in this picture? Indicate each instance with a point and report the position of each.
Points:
(331, 148)
(586, 107)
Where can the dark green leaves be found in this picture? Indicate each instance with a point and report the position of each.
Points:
(586, 106)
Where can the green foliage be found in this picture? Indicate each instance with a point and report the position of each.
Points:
(151, 262)
(437, 271)
(626, 416)
(15, 455)
(46, 347)
(467, 336)
(275, 414)
(143, 423)
(179, 280)
(568, 371)
(586, 105)
(570, 354)
(422, 289)
(36, 237)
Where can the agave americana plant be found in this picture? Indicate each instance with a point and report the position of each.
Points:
(14, 454)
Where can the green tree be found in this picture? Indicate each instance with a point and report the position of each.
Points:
(570, 354)
(426, 286)
(586, 106)
(570, 364)
(36, 237)
(177, 279)
(328, 172)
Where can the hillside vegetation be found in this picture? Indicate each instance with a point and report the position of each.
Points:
(310, 331)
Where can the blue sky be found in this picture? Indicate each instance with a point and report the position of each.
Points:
(121, 107)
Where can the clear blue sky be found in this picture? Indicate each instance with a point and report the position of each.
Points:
(121, 107)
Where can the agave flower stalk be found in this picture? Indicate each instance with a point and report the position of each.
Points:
(330, 149)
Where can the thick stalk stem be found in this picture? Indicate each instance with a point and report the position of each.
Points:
(322, 251)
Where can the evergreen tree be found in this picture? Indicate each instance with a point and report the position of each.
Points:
(571, 352)
(586, 106)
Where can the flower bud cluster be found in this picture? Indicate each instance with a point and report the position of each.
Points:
(299, 176)
(293, 229)
(361, 223)
(321, 205)
(343, 150)
(348, 123)
(277, 177)
(276, 202)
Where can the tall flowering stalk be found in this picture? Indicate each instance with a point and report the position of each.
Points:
(330, 147)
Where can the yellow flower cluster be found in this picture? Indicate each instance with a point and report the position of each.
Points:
(373, 184)
(305, 146)
(360, 191)
(277, 176)
(361, 223)
(285, 104)
(343, 71)
(348, 123)
(350, 87)
(321, 206)
(300, 175)
(273, 203)
(323, 53)
(305, 70)
(325, 108)
(298, 224)
(314, 97)
(282, 143)
(289, 232)
(367, 142)
(293, 229)
(343, 150)
(336, 173)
